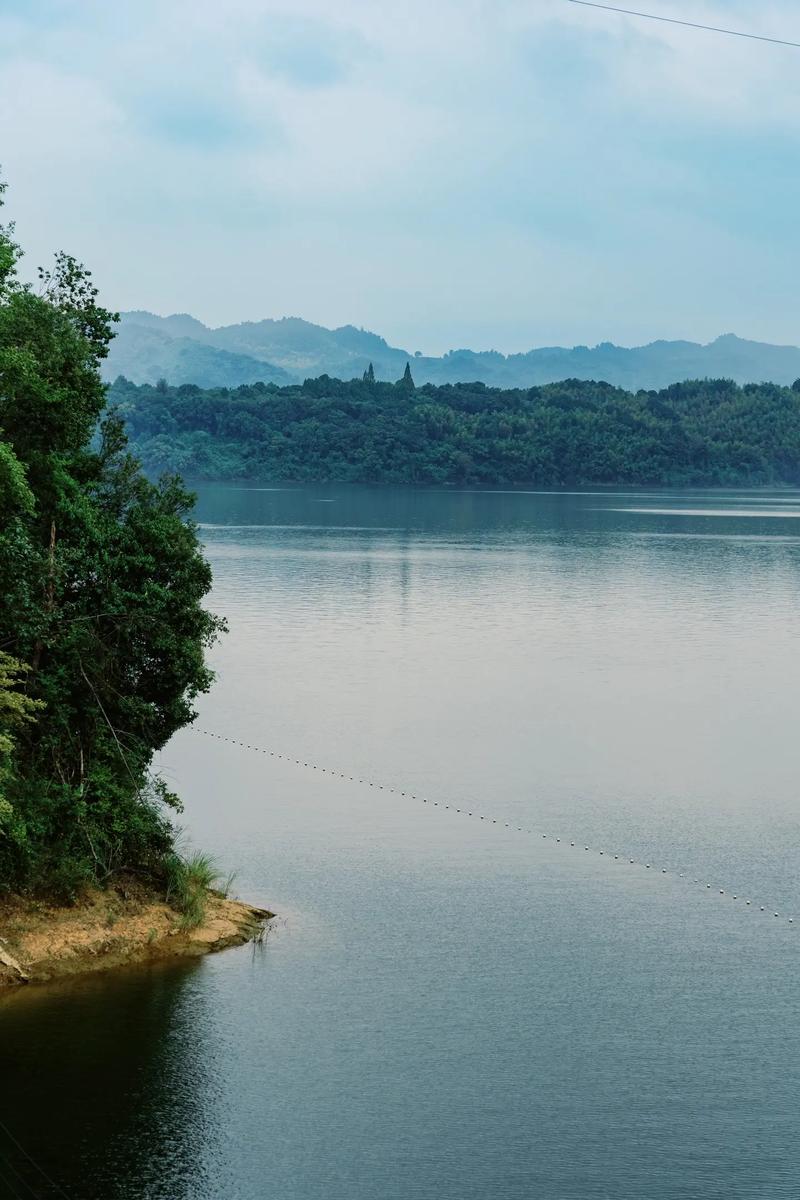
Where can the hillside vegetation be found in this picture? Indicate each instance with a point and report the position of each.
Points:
(573, 432)
(103, 630)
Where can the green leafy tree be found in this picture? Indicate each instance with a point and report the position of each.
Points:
(16, 711)
(105, 587)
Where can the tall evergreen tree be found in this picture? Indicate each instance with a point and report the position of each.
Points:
(406, 382)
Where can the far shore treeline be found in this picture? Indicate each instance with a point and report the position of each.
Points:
(707, 432)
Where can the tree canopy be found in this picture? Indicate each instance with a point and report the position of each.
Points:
(102, 627)
(575, 432)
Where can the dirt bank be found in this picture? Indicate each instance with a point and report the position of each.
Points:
(108, 929)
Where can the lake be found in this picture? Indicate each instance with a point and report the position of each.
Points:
(454, 1006)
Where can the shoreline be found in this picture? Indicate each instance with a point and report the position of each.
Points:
(40, 943)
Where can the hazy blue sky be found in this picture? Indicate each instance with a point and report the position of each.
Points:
(492, 173)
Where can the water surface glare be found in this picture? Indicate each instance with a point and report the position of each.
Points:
(448, 1009)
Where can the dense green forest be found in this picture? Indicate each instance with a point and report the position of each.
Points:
(102, 624)
(575, 432)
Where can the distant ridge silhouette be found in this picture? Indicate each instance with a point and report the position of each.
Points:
(181, 349)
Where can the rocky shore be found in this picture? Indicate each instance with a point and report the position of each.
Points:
(108, 929)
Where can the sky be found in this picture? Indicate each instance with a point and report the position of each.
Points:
(496, 174)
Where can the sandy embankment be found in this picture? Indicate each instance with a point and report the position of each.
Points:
(107, 929)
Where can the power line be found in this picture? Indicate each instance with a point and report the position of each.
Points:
(12, 1191)
(609, 855)
(33, 1162)
(28, 1189)
(630, 12)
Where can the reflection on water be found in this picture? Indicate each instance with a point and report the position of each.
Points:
(454, 1011)
(107, 1083)
(763, 514)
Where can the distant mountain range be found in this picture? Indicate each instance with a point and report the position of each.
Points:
(182, 350)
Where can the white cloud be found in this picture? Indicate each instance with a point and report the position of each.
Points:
(470, 165)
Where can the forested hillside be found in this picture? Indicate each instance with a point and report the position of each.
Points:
(574, 432)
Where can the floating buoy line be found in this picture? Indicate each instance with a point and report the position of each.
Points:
(464, 812)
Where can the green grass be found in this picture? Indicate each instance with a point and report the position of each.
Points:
(189, 879)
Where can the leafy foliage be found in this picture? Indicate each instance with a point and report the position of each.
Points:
(575, 432)
(103, 583)
(16, 710)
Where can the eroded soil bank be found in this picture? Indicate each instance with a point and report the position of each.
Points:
(110, 928)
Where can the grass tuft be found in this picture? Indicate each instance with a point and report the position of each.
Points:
(189, 880)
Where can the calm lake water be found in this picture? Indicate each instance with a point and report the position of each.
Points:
(447, 1008)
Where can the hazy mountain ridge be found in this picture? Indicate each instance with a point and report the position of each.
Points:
(145, 351)
(182, 349)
